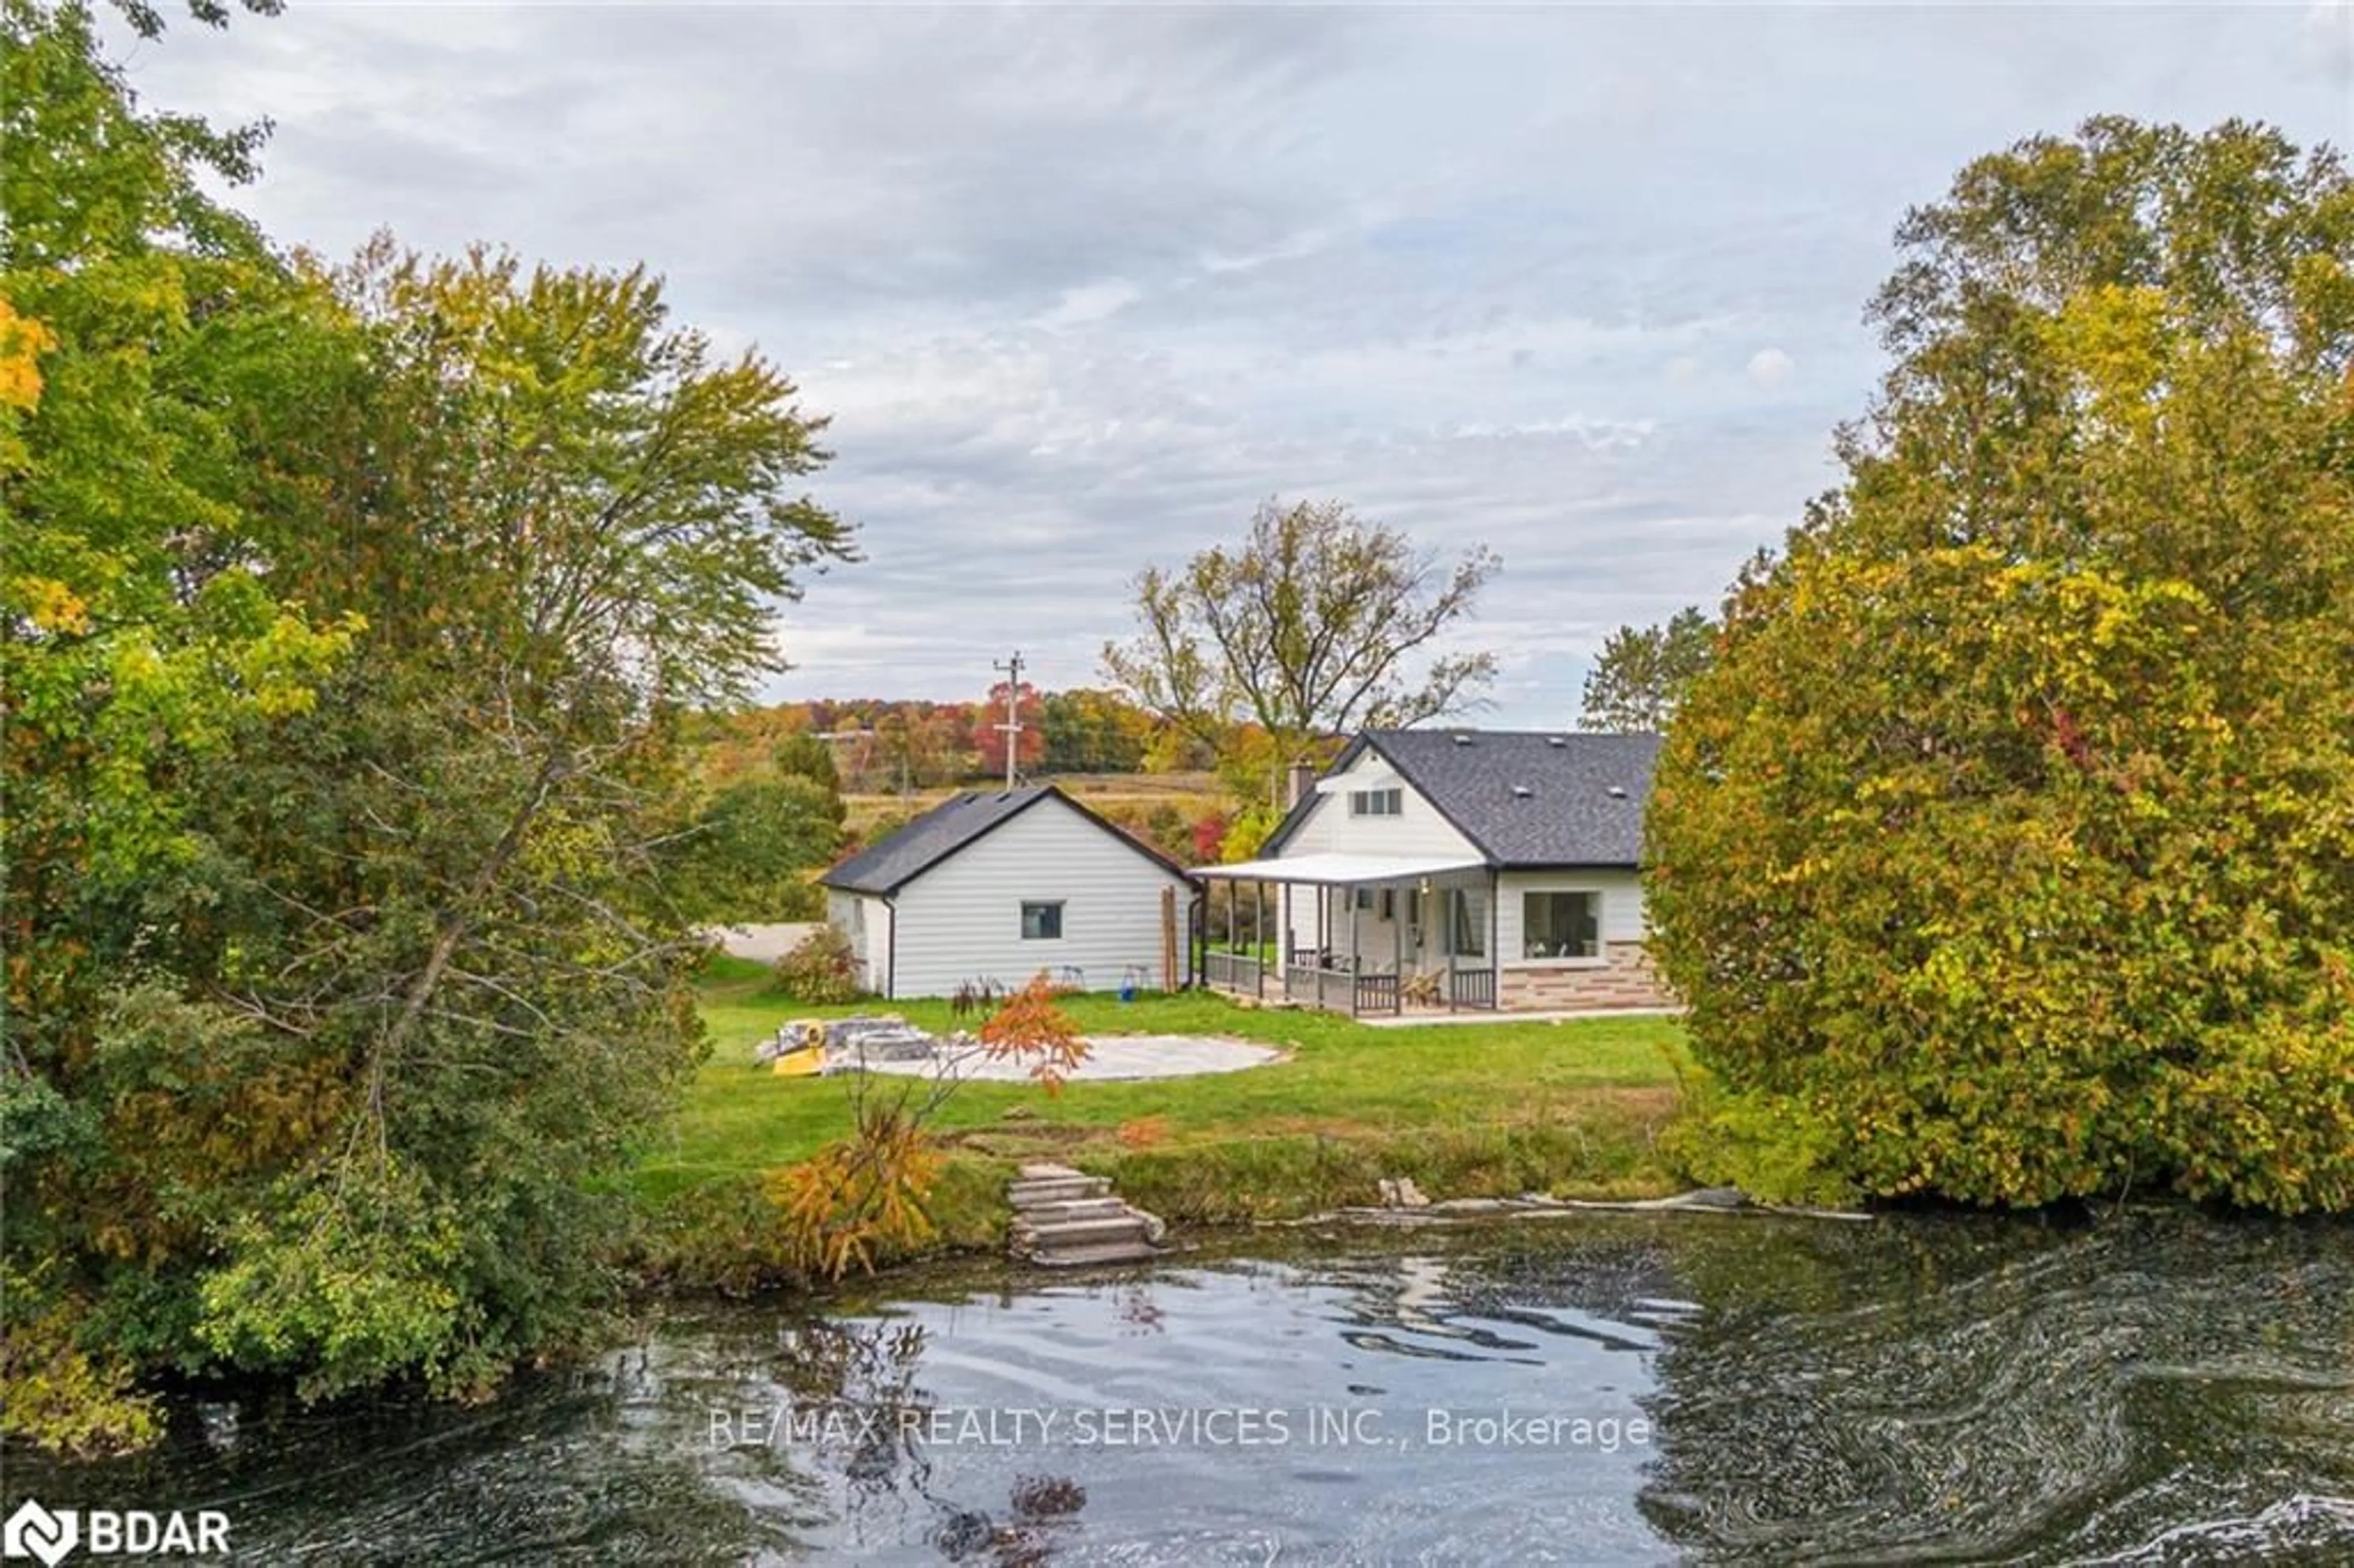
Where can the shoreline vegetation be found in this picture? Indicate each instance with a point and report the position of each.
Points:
(1576, 1109)
(364, 616)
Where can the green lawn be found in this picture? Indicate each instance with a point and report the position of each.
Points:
(1497, 1106)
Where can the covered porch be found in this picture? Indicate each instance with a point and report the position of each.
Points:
(1358, 934)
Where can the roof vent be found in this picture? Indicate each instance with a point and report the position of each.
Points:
(1460, 738)
(1521, 791)
(1556, 741)
(1618, 792)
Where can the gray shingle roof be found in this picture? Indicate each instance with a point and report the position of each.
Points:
(890, 864)
(1529, 797)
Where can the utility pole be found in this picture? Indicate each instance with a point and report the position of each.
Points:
(1011, 728)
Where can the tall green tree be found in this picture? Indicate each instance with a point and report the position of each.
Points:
(1089, 731)
(748, 854)
(564, 520)
(1643, 672)
(2006, 849)
(1317, 625)
(349, 619)
(807, 756)
(138, 633)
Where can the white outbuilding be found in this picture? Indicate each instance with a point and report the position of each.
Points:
(994, 886)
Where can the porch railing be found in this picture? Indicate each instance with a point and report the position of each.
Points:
(1472, 988)
(1235, 971)
(1343, 990)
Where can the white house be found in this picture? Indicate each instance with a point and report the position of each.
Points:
(995, 885)
(1449, 869)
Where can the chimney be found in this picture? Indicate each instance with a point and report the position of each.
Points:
(1299, 784)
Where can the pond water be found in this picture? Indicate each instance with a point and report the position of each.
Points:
(2152, 1388)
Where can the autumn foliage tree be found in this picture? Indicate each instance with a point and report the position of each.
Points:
(137, 641)
(989, 735)
(2006, 852)
(1316, 623)
(349, 619)
(864, 1196)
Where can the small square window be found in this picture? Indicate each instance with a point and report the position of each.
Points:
(1042, 922)
(1376, 802)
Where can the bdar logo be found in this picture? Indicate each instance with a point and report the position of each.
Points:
(52, 1534)
(34, 1532)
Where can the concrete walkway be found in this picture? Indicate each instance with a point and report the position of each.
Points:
(1110, 1058)
(764, 944)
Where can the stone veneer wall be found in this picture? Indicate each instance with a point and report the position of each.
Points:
(1626, 979)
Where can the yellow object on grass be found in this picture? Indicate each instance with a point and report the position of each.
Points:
(804, 1062)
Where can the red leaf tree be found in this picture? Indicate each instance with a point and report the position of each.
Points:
(990, 740)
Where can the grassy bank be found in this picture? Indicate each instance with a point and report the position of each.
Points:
(1484, 1109)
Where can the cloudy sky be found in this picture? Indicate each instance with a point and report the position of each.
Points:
(1080, 285)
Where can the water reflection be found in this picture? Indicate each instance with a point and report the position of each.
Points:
(2156, 1388)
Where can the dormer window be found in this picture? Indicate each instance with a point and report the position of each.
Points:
(1376, 802)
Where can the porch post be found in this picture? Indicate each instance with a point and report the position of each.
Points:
(1233, 900)
(1398, 950)
(1259, 933)
(1352, 950)
(1447, 946)
(1197, 922)
(1495, 939)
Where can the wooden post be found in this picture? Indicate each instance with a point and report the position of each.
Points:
(1167, 937)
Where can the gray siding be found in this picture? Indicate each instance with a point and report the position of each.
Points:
(1417, 830)
(1328, 829)
(961, 920)
(1622, 908)
(866, 921)
(1381, 943)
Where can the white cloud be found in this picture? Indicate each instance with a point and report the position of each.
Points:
(1770, 366)
(1091, 303)
(1081, 286)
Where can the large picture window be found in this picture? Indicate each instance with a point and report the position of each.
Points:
(1561, 925)
(1042, 922)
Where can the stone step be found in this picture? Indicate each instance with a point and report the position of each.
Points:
(1027, 1194)
(1100, 1253)
(1067, 1219)
(1082, 1233)
(1069, 1209)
